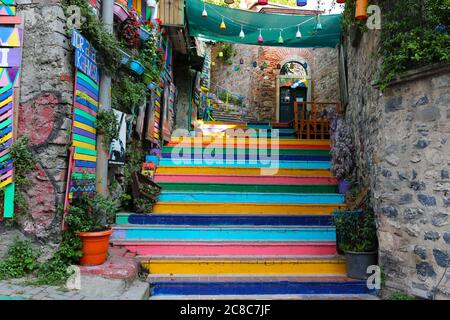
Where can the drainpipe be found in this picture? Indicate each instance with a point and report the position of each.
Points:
(105, 104)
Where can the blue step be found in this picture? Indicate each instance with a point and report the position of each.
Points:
(209, 220)
(183, 233)
(262, 287)
(237, 197)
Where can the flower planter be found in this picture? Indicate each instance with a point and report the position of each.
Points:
(137, 67)
(125, 57)
(344, 186)
(144, 34)
(358, 262)
(120, 12)
(95, 247)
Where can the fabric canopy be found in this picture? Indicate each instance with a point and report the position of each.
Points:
(254, 23)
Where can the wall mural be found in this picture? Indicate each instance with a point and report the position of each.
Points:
(83, 154)
(10, 63)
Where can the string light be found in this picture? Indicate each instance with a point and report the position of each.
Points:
(204, 13)
(280, 38)
(298, 35)
(242, 34)
(222, 25)
(318, 25)
(260, 37)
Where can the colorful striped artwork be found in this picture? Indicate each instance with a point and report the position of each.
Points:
(84, 136)
(10, 66)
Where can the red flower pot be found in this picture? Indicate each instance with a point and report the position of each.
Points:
(95, 247)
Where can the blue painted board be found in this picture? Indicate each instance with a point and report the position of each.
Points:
(224, 234)
(248, 164)
(237, 197)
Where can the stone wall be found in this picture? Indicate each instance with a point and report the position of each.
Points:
(258, 86)
(45, 111)
(182, 82)
(403, 155)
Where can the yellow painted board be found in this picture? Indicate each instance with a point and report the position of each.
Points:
(245, 208)
(240, 171)
(84, 157)
(83, 145)
(278, 267)
(5, 182)
(6, 101)
(85, 96)
(6, 138)
(84, 127)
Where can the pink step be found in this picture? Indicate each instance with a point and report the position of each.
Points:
(244, 179)
(229, 248)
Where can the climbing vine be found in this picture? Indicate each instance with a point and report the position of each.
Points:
(107, 126)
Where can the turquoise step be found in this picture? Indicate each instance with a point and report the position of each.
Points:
(231, 197)
(183, 233)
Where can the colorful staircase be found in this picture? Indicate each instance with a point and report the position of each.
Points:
(223, 230)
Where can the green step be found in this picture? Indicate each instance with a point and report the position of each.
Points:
(262, 188)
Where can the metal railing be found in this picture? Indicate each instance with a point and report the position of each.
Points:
(311, 119)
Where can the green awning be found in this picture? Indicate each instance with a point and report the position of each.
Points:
(254, 23)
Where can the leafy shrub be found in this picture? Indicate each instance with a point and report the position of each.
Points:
(21, 259)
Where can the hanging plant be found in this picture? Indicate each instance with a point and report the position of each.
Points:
(130, 30)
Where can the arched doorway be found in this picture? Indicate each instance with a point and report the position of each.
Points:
(293, 85)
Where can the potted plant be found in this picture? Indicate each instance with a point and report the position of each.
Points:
(358, 240)
(91, 219)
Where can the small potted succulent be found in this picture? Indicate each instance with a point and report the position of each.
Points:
(91, 219)
(357, 233)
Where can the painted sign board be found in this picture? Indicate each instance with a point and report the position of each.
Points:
(117, 148)
(10, 57)
(84, 56)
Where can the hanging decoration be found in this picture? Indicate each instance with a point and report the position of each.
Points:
(241, 61)
(236, 68)
(298, 35)
(361, 10)
(340, 1)
(302, 3)
(263, 2)
(260, 38)
(242, 34)
(222, 25)
(245, 27)
(254, 64)
(204, 13)
(229, 2)
(280, 38)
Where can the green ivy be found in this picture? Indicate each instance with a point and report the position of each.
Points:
(410, 36)
(127, 92)
(107, 125)
(21, 259)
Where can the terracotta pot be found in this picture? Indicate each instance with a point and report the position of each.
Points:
(95, 247)
(361, 10)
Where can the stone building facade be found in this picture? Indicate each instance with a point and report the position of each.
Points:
(402, 139)
(259, 85)
(45, 111)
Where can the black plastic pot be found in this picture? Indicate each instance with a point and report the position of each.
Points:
(358, 262)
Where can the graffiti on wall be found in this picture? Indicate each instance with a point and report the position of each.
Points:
(10, 62)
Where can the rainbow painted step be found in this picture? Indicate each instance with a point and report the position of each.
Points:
(194, 219)
(223, 233)
(266, 163)
(253, 286)
(246, 208)
(286, 151)
(235, 156)
(258, 198)
(241, 179)
(209, 249)
(227, 171)
(322, 265)
(257, 188)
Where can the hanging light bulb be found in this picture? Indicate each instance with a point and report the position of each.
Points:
(280, 38)
(318, 25)
(204, 13)
(298, 34)
(260, 38)
(222, 25)
(242, 34)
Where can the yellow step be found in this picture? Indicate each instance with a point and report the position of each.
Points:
(240, 171)
(244, 208)
(278, 267)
